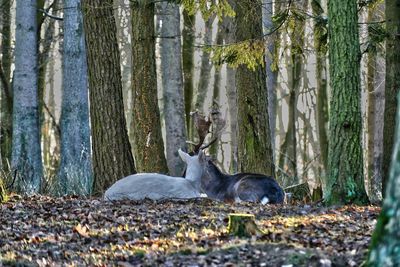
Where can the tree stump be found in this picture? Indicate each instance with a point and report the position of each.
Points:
(242, 225)
(3, 192)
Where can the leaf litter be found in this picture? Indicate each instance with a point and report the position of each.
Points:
(72, 231)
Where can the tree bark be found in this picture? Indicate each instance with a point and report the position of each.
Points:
(272, 74)
(5, 85)
(146, 127)
(392, 86)
(172, 85)
(385, 242)
(112, 155)
(345, 180)
(205, 67)
(254, 138)
(26, 154)
(322, 84)
(75, 173)
(188, 37)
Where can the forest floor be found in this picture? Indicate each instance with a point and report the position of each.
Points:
(44, 231)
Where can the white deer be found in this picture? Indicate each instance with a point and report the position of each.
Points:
(158, 186)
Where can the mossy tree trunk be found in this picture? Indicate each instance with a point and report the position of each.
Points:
(254, 139)
(5, 83)
(345, 181)
(148, 145)
(392, 83)
(112, 155)
(26, 153)
(188, 37)
(385, 243)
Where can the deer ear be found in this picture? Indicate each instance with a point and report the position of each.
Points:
(183, 155)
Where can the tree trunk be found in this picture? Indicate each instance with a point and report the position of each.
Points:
(254, 139)
(26, 155)
(5, 84)
(146, 127)
(188, 37)
(231, 93)
(385, 242)
(272, 73)
(375, 87)
(345, 180)
(392, 86)
(112, 156)
(321, 77)
(75, 173)
(172, 85)
(205, 67)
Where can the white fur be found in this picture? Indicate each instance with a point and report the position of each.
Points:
(264, 200)
(158, 186)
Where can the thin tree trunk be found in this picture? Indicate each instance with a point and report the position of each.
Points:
(75, 173)
(146, 126)
(254, 138)
(374, 151)
(205, 67)
(272, 73)
(188, 37)
(112, 156)
(172, 85)
(5, 85)
(229, 37)
(321, 77)
(392, 86)
(26, 154)
(345, 180)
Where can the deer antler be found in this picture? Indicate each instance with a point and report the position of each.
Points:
(202, 125)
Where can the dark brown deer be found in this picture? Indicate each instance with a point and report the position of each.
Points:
(238, 187)
(251, 187)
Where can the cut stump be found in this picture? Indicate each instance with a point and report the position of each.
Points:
(3, 192)
(242, 225)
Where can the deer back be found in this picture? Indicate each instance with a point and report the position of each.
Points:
(159, 186)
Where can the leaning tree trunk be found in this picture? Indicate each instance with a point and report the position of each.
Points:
(146, 127)
(172, 85)
(254, 139)
(345, 181)
(385, 242)
(392, 83)
(75, 172)
(112, 156)
(26, 156)
(6, 106)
